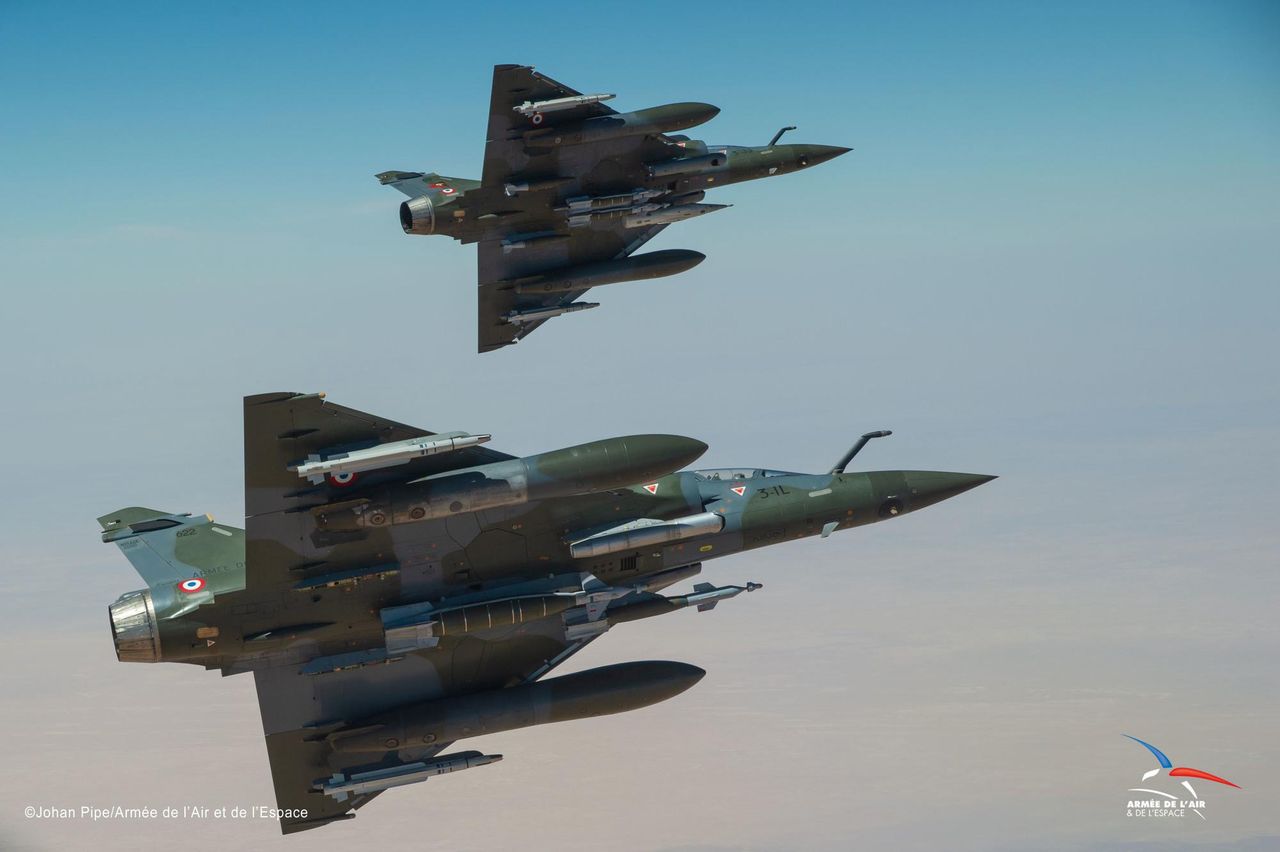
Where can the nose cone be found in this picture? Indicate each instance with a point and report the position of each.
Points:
(927, 487)
(812, 155)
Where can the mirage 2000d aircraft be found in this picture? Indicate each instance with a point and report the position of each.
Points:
(396, 590)
(570, 188)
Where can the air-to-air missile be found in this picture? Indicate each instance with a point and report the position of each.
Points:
(530, 108)
(395, 590)
(570, 189)
(340, 467)
(533, 315)
(342, 786)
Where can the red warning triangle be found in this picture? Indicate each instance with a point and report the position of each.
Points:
(652, 488)
(739, 490)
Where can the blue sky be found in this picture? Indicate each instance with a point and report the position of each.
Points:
(1052, 255)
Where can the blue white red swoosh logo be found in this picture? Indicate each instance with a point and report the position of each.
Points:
(1177, 771)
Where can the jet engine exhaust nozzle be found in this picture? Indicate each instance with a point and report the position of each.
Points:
(418, 216)
(133, 627)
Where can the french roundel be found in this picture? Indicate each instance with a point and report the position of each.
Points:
(537, 118)
(191, 586)
(342, 480)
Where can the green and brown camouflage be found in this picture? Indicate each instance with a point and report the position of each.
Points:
(570, 188)
(389, 612)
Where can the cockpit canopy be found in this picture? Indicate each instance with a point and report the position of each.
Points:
(723, 473)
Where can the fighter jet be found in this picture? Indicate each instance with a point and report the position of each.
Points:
(396, 590)
(570, 188)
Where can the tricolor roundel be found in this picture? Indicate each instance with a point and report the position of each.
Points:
(192, 585)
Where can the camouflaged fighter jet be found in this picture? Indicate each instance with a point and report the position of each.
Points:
(570, 188)
(396, 590)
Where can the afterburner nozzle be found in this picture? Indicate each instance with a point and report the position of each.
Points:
(133, 626)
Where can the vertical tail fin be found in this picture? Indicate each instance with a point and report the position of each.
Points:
(168, 548)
